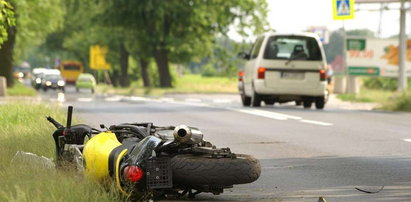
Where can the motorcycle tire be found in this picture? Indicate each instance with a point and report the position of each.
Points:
(204, 170)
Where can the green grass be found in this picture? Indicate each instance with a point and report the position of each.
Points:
(387, 100)
(20, 89)
(185, 84)
(23, 127)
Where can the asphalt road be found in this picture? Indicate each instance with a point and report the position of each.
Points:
(304, 153)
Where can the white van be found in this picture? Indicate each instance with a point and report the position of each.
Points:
(283, 68)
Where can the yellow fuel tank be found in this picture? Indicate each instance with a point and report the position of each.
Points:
(96, 155)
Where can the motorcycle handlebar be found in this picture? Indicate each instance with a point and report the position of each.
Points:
(54, 122)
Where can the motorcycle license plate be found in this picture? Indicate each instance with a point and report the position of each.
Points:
(292, 75)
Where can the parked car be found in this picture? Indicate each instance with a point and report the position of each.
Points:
(283, 68)
(52, 80)
(87, 81)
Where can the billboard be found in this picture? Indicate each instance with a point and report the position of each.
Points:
(375, 57)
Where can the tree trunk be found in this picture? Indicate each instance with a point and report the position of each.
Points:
(125, 80)
(144, 72)
(161, 57)
(6, 57)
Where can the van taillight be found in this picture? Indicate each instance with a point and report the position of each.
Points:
(261, 73)
(322, 75)
(240, 76)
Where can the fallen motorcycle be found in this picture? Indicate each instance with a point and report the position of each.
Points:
(147, 161)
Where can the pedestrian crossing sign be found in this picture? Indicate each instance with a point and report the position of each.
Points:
(343, 9)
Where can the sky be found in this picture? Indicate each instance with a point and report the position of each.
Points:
(287, 16)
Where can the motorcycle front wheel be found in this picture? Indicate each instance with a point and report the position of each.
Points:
(205, 170)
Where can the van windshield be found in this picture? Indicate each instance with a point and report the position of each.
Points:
(292, 48)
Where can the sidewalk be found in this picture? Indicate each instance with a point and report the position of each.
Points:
(334, 102)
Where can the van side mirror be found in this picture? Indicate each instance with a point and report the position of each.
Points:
(244, 55)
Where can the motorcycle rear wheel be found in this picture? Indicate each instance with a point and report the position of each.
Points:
(204, 170)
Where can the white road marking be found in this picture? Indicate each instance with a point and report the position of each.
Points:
(135, 99)
(192, 100)
(287, 116)
(166, 99)
(261, 113)
(279, 116)
(222, 101)
(276, 115)
(113, 99)
(84, 99)
(320, 123)
(407, 140)
(60, 97)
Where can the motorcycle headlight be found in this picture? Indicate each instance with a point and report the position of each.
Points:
(38, 80)
(61, 83)
(48, 83)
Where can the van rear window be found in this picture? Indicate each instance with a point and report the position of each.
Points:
(292, 48)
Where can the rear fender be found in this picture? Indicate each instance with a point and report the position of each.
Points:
(137, 155)
(143, 150)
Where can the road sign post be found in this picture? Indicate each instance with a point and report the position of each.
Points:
(402, 75)
(344, 10)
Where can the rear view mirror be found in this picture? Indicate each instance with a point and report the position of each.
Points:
(243, 55)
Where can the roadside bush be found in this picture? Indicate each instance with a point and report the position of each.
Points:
(401, 102)
(209, 71)
(381, 83)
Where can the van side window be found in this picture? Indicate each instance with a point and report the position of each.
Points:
(257, 47)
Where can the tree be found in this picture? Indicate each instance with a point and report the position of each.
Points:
(7, 19)
(7, 37)
(34, 20)
(176, 30)
(143, 57)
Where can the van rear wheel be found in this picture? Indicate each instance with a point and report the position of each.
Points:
(320, 102)
(255, 100)
(307, 103)
(245, 99)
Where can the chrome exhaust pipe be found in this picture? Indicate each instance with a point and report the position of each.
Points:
(188, 135)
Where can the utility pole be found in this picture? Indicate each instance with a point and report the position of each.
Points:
(344, 59)
(402, 73)
(380, 22)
